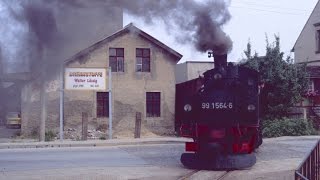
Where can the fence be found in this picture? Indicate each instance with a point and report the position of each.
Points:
(309, 168)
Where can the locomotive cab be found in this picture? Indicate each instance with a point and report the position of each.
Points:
(223, 118)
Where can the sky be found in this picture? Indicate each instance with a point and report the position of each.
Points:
(251, 21)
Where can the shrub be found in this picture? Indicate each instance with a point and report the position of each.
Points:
(102, 127)
(17, 134)
(49, 136)
(287, 127)
(34, 133)
(102, 138)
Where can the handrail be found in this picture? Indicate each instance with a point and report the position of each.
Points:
(309, 169)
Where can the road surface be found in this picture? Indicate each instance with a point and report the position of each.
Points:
(276, 159)
(123, 162)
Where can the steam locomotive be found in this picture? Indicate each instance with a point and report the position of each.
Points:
(221, 113)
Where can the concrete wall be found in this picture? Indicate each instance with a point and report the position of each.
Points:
(129, 93)
(191, 70)
(305, 47)
(30, 108)
(181, 73)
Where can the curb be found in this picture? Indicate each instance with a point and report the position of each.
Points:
(94, 143)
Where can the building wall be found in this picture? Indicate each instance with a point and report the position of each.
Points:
(191, 70)
(196, 69)
(181, 73)
(129, 92)
(30, 108)
(305, 47)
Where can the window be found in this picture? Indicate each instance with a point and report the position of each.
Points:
(142, 60)
(318, 41)
(102, 104)
(153, 104)
(311, 85)
(116, 59)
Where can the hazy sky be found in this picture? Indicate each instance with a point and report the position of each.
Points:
(252, 20)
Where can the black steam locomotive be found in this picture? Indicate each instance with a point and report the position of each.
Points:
(221, 113)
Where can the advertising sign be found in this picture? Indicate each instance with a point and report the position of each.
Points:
(85, 78)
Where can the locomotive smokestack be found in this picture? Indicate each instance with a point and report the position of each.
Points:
(220, 60)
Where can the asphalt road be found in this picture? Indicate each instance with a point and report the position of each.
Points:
(276, 159)
(122, 162)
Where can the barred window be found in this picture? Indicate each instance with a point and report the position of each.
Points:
(311, 85)
(102, 104)
(143, 60)
(116, 59)
(153, 103)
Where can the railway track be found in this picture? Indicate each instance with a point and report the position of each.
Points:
(220, 175)
(224, 175)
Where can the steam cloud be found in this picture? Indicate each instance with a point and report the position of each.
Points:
(33, 40)
(199, 23)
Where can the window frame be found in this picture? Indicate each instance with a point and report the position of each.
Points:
(153, 104)
(317, 36)
(118, 59)
(318, 40)
(102, 110)
(311, 85)
(143, 60)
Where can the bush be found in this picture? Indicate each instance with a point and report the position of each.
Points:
(102, 138)
(287, 127)
(49, 136)
(34, 133)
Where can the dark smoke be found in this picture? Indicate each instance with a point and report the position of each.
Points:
(37, 41)
(199, 23)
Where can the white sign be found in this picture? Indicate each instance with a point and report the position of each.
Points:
(85, 78)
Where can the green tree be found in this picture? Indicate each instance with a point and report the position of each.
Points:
(283, 81)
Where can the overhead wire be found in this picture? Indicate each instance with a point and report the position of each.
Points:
(271, 11)
(266, 8)
(271, 6)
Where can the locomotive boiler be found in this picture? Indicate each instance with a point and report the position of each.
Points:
(220, 111)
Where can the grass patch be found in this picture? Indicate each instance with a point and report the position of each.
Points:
(50, 136)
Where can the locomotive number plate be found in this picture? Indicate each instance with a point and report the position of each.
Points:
(217, 105)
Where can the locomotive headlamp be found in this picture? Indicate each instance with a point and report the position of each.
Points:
(251, 107)
(217, 76)
(187, 108)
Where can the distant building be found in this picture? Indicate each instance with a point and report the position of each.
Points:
(191, 69)
(143, 80)
(307, 47)
(307, 50)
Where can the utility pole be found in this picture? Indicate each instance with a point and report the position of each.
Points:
(61, 101)
(110, 103)
(43, 102)
(2, 108)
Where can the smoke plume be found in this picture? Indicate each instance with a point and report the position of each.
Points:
(35, 39)
(199, 23)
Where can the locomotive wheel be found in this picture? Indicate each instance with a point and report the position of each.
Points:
(221, 162)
